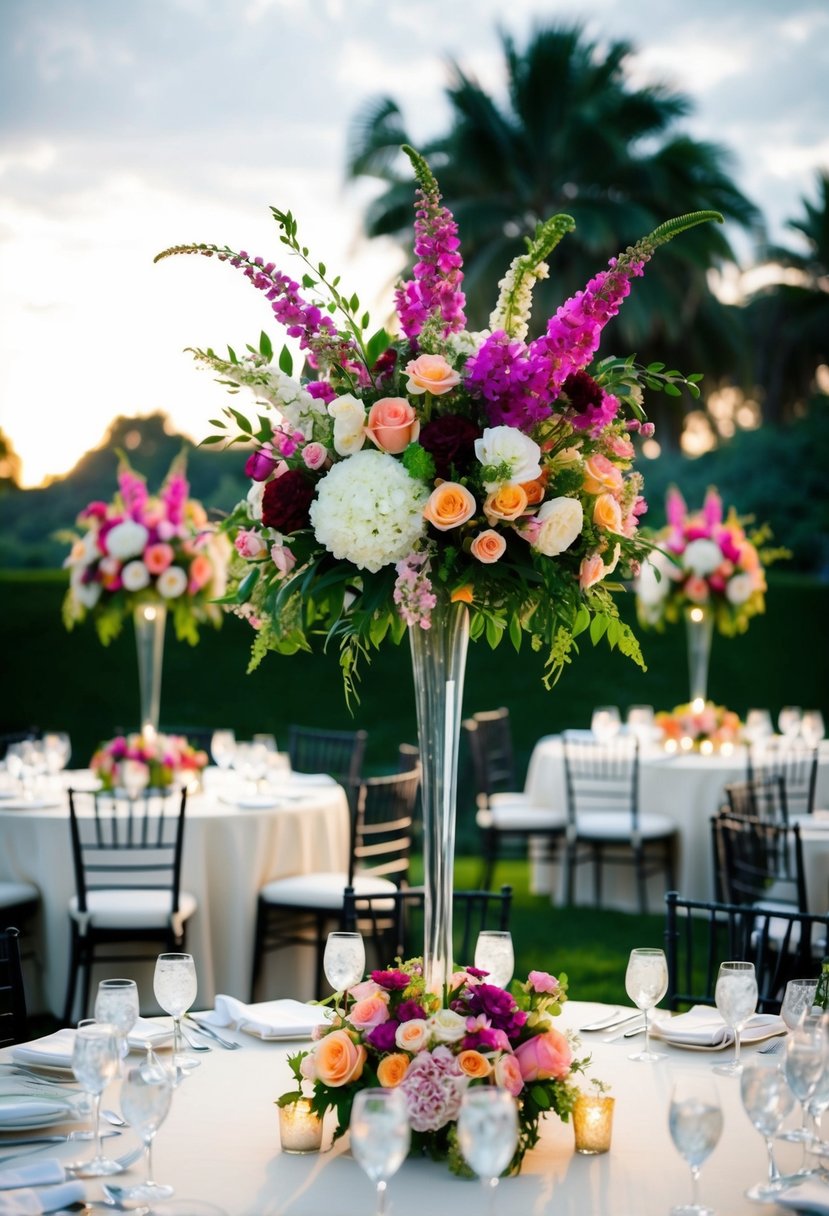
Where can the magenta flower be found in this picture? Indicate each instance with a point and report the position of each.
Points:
(392, 981)
(259, 465)
(381, 1038)
(407, 1010)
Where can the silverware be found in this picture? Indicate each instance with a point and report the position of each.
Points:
(623, 1032)
(211, 1033)
(769, 1048)
(128, 1159)
(191, 1043)
(606, 1020)
(57, 1138)
(614, 1023)
(48, 1078)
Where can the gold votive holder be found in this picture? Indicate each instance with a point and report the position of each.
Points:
(300, 1129)
(593, 1123)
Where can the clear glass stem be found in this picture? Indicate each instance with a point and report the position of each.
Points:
(694, 1186)
(150, 620)
(382, 1187)
(647, 1032)
(699, 625)
(491, 1185)
(96, 1125)
(736, 1048)
(148, 1161)
(774, 1172)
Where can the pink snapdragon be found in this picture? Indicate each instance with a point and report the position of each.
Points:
(413, 592)
(436, 286)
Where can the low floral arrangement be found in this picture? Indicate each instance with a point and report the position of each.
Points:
(704, 559)
(436, 463)
(396, 1034)
(143, 548)
(707, 728)
(148, 760)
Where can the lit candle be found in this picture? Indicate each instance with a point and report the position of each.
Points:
(670, 745)
(300, 1130)
(686, 743)
(593, 1123)
(706, 747)
(726, 748)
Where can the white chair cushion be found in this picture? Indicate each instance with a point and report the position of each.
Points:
(509, 798)
(121, 908)
(521, 818)
(618, 825)
(321, 890)
(12, 893)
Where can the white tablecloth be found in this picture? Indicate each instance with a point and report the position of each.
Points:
(228, 855)
(220, 1148)
(689, 789)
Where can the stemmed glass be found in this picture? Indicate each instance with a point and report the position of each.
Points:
(222, 748)
(146, 1094)
(804, 1065)
(488, 1133)
(646, 982)
(735, 996)
(494, 954)
(767, 1099)
(605, 723)
(640, 722)
(117, 1004)
(344, 961)
(380, 1136)
(95, 1062)
(758, 726)
(812, 727)
(798, 1000)
(175, 987)
(695, 1121)
(56, 749)
(789, 721)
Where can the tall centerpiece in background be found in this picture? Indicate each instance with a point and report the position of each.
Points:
(140, 555)
(708, 572)
(458, 484)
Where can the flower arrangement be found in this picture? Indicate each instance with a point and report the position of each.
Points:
(704, 559)
(707, 729)
(146, 760)
(437, 462)
(143, 548)
(396, 1034)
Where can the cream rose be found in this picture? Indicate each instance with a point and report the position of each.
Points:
(738, 589)
(702, 557)
(561, 521)
(447, 1026)
(508, 455)
(412, 1035)
(349, 424)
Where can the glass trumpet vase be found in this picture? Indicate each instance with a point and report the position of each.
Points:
(699, 627)
(150, 620)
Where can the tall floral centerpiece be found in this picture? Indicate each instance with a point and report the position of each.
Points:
(708, 571)
(139, 555)
(459, 484)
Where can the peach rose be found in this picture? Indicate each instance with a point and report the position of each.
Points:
(506, 503)
(544, 1056)
(534, 491)
(473, 1064)
(339, 1060)
(158, 557)
(600, 474)
(591, 571)
(431, 374)
(462, 595)
(412, 1035)
(508, 1074)
(365, 988)
(696, 589)
(371, 1011)
(392, 1069)
(607, 513)
(449, 506)
(488, 546)
(392, 424)
(201, 572)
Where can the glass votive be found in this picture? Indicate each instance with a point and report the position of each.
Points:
(593, 1123)
(300, 1129)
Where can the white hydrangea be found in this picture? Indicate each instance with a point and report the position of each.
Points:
(702, 557)
(126, 540)
(369, 511)
(135, 576)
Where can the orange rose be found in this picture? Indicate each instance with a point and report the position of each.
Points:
(534, 491)
(506, 503)
(392, 1069)
(600, 474)
(339, 1060)
(473, 1064)
(158, 557)
(449, 506)
(462, 595)
(201, 572)
(607, 513)
(488, 546)
(431, 374)
(392, 424)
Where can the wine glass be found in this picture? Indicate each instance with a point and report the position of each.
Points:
(175, 987)
(812, 727)
(758, 725)
(767, 1099)
(380, 1136)
(95, 1063)
(488, 1133)
(222, 748)
(605, 723)
(695, 1121)
(735, 996)
(798, 1000)
(803, 1067)
(789, 721)
(494, 954)
(344, 961)
(640, 722)
(250, 762)
(646, 982)
(56, 749)
(117, 1004)
(146, 1094)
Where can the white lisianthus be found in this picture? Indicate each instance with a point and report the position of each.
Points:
(126, 540)
(447, 1026)
(561, 521)
(650, 587)
(171, 583)
(349, 416)
(702, 557)
(135, 576)
(508, 456)
(254, 499)
(739, 589)
(369, 511)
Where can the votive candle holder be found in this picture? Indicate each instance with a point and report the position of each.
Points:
(300, 1128)
(593, 1123)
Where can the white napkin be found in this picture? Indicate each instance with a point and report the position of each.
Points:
(251, 802)
(52, 1051)
(811, 1196)
(703, 1026)
(148, 1033)
(269, 1019)
(32, 1201)
(310, 779)
(38, 1173)
(18, 1109)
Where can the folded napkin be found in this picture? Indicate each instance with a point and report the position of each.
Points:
(38, 1173)
(17, 1108)
(811, 1196)
(148, 1033)
(251, 802)
(268, 1020)
(703, 1026)
(28, 1190)
(52, 1051)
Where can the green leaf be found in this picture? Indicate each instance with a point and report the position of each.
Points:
(515, 632)
(377, 344)
(241, 420)
(265, 346)
(211, 439)
(582, 621)
(598, 628)
(307, 281)
(672, 391)
(286, 361)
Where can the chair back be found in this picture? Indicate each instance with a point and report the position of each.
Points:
(760, 862)
(795, 763)
(393, 923)
(699, 936)
(382, 825)
(127, 843)
(763, 797)
(602, 776)
(336, 752)
(12, 994)
(491, 751)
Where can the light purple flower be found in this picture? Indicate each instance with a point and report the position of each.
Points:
(433, 1088)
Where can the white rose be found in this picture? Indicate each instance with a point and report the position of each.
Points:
(127, 539)
(349, 424)
(135, 576)
(506, 446)
(702, 557)
(650, 588)
(739, 588)
(412, 1035)
(561, 522)
(87, 594)
(254, 499)
(447, 1026)
(172, 583)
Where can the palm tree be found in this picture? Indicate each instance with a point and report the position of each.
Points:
(573, 135)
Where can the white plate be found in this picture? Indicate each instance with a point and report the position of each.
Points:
(66, 1114)
(32, 804)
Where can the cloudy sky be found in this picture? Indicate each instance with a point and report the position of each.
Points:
(130, 125)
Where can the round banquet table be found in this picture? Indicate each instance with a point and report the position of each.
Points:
(689, 789)
(219, 1147)
(228, 854)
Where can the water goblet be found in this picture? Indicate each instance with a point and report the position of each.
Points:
(640, 722)
(175, 987)
(767, 1100)
(380, 1136)
(646, 982)
(494, 954)
(267, 741)
(789, 721)
(812, 727)
(222, 748)
(344, 961)
(250, 762)
(798, 1000)
(735, 996)
(758, 725)
(605, 723)
(488, 1133)
(695, 1122)
(803, 1067)
(57, 749)
(95, 1063)
(146, 1094)
(117, 1003)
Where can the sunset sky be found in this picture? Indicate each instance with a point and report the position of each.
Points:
(129, 126)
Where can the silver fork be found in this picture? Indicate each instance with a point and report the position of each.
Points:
(771, 1047)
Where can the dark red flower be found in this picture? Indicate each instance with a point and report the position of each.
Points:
(451, 441)
(287, 501)
(582, 391)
